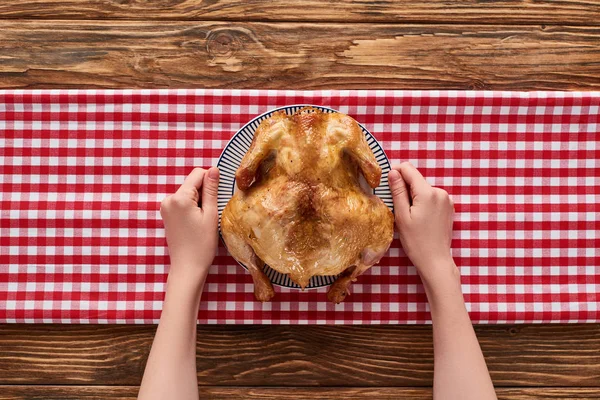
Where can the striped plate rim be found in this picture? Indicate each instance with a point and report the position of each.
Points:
(236, 148)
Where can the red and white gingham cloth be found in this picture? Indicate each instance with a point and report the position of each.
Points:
(82, 174)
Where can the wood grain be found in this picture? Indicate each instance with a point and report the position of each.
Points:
(548, 393)
(366, 356)
(270, 55)
(565, 12)
(263, 393)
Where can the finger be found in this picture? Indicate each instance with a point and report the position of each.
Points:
(193, 180)
(414, 179)
(399, 194)
(188, 191)
(210, 190)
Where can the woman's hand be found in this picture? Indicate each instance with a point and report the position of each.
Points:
(424, 217)
(192, 230)
(192, 238)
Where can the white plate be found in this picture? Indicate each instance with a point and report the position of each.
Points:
(230, 160)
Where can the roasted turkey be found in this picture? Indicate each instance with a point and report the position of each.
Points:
(300, 207)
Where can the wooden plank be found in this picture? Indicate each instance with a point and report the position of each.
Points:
(213, 393)
(548, 393)
(74, 354)
(26, 392)
(84, 54)
(565, 12)
(263, 393)
(366, 356)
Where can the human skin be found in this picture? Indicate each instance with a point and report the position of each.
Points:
(192, 239)
(424, 216)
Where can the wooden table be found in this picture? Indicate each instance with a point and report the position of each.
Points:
(417, 44)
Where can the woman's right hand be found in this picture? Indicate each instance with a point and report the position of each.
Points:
(424, 219)
(424, 216)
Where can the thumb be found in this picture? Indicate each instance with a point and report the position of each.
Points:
(210, 189)
(399, 194)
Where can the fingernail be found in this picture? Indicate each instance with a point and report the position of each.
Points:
(393, 176)
(213, 173)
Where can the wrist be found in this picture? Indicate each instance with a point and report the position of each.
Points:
(182, 297)
(440, 276)
(185, 278)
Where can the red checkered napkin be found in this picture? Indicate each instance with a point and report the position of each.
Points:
(82, 174)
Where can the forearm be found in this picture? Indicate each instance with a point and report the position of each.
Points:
(460, 371)
(171, 369)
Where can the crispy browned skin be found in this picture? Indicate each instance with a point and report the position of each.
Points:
(300, 207)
